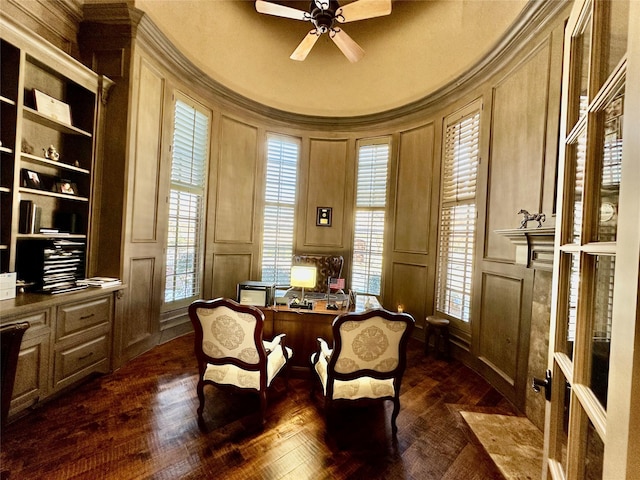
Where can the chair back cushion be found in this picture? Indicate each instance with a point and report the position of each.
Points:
(370, 344)
(327, 266)
(228, 333)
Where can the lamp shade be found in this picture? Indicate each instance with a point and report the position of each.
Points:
(304, 277)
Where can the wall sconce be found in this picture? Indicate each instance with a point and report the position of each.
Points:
(303, 277)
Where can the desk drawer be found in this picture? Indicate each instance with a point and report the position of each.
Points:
(73, 319)
(75, 362)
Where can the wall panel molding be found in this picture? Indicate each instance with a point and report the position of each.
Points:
(327, 166)
(229, 269)
(413, 190)
(517, 161)
(147, 157)
(408, 284)
(236, 182)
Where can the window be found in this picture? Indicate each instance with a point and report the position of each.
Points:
(190, 152)
(279, 209)
(371, 202)
(458, 213)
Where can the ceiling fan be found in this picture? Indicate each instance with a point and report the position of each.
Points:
(325, 15)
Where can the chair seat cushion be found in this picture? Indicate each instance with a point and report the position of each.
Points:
(362, 387)
(229, 374)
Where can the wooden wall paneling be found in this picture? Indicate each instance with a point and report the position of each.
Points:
(229, 270)
(412, 224)
(556, 44)
(501, 337)
(147, 158)
(518, 136)
(236, 182)
(408, 286)
(143, 256)
(139, 328)
(326, 174)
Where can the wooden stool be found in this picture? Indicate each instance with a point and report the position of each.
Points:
(440, 328)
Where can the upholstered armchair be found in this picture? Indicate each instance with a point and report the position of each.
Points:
(327, 266)
(367, 360)
(231, 352)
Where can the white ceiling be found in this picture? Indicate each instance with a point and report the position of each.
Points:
(422, 46)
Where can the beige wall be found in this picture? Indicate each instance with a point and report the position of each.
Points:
(520, 97)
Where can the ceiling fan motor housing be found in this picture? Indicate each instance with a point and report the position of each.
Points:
(323, 18)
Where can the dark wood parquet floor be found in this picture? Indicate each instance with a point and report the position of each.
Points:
(140, 423)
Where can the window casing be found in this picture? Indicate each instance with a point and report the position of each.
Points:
(279, 208)
(189, 161)
(371, 203)
(461, 157)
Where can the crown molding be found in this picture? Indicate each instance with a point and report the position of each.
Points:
(536, 15)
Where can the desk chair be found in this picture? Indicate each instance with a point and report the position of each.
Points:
(231, 352)
(367, 361)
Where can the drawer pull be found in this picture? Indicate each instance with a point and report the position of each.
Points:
(84, 357)
(84, 317)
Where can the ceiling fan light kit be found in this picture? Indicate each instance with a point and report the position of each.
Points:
(324, 15)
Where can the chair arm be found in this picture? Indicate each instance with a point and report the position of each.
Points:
(277, 340)
(324, 348)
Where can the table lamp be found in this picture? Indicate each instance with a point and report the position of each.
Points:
(302, 276)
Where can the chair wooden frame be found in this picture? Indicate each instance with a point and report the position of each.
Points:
(334, 355)
(203, 359)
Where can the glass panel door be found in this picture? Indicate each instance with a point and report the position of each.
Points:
(591, 169)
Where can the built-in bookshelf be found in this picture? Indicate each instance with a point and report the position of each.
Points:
(51, 106)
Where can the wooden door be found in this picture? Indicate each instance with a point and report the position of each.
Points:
(591, 428)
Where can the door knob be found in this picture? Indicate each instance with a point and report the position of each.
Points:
(538, 383)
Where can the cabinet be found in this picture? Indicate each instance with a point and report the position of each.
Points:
(51, 114)
(69, 338)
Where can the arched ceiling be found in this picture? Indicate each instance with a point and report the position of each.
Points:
(422, 46)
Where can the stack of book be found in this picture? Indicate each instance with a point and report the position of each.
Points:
(53, 265)
(101, 282)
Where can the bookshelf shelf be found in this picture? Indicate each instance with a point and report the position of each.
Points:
(59, 164)
(44, 193)
(33, 181)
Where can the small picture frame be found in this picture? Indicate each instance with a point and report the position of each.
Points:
(323, 216)
(31, 179)
(65, 186)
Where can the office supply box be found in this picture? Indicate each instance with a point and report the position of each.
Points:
(259, 294)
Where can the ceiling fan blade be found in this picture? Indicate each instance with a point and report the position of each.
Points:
(305, 46)
(281, 10)
(345, 43)
(363, 9)
(322, 4)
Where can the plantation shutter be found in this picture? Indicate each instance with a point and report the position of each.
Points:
(279, 209)
(371, 201)
(186, 203)
(458, 216)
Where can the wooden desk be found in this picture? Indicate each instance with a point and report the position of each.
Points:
(303, 327)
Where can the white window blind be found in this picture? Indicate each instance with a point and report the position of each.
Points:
(186, 203)
(371, 201)
(458, 216)
(279, 209)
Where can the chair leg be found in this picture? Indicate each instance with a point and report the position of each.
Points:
(394, 415)
(263, 407)
(200, 390)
